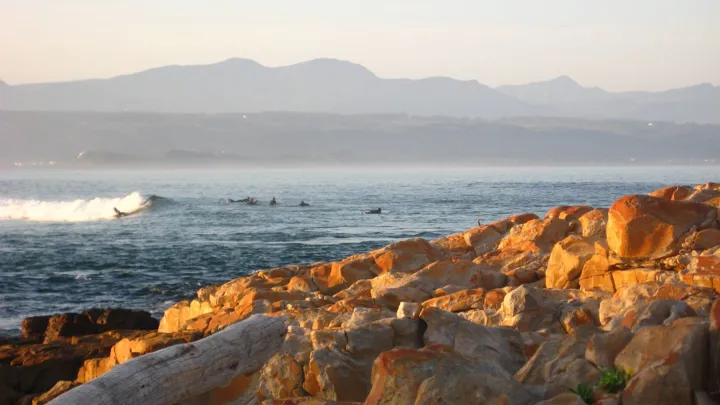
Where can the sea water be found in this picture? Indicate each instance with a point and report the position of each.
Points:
(62, 250)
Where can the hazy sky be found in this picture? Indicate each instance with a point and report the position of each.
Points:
(615, 44)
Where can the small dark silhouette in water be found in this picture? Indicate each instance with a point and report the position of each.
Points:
(252, 201)
(244, 200)
(304, 204)
(119, 214)
(375, 211)
(273, 202)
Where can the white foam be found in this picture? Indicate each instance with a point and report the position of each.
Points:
(69, 211)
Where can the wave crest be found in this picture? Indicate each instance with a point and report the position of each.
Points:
(69, 211)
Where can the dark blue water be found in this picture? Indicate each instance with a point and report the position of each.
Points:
(167, 251)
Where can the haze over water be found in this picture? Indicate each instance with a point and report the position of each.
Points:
(58, 254)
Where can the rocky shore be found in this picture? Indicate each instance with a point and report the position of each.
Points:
(583, 306)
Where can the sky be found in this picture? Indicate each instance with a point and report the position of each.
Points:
(615, 44)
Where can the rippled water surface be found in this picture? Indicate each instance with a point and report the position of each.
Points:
(60, 249)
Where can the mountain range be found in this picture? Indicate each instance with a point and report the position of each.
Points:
(334, 86)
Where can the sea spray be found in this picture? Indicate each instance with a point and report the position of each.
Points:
(69, 211)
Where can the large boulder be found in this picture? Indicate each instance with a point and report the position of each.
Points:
(603, 348)
(527, 309)
(567, 260)
(335, 375)
(439, 375)
(560, 365)
(500, 348)
(668, 363)
(645, 227)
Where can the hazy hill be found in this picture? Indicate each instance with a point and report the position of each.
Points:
(559, 91)
(241, 85)
(564, 96)
(334, 86)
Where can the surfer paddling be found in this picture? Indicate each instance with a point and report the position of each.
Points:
(119, 214)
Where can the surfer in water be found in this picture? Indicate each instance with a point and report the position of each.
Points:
(375, 211)
(273, 201)
(304, 204)
(119, 214)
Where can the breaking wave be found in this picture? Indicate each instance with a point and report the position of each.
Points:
(72, 211)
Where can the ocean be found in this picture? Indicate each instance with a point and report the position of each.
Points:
(61, 249)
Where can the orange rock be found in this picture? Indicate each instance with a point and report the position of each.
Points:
(596, 271)
(703, 271)
(543, 232)
(644, 227)
(459, 301)
(567, 260)
(573, 317)
(179, 314)
(704, 239)
(443, 273)
(348, 305)
(304, 284)
(708, 186)
(483, 239)
(672, 192)
(335, 375)
(594, 223)
(405, 257)
(568, 212)
(494, 299)
(397, 374)
(358, 290)
(715, 202)
(321, 278)
(527, 254)
(453, 245)
(668, 363)
(352, 269)
(624, 278)
(391, 297)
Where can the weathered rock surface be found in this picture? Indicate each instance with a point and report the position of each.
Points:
(645, 227)
(436, 374)
(567, 260)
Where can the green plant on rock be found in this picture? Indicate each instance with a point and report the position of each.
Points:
(585, 392)
(613, 380)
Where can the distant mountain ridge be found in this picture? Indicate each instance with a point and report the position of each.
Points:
(335, 86)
